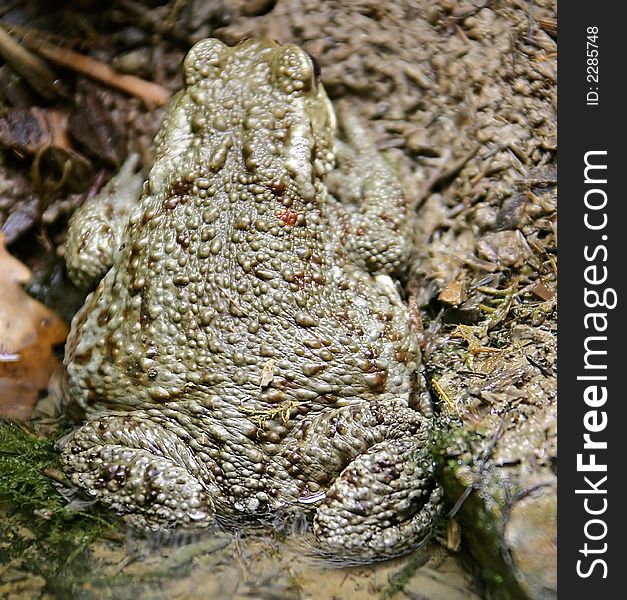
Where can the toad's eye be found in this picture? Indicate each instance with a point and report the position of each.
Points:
(316, 66)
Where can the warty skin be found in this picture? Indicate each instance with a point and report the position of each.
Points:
(245, 348)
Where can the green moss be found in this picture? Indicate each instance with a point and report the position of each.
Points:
(462, 465)
(23, 458)
(38, 532)
(399, 580)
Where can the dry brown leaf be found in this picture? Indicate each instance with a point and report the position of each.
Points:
(28, 333)
(267, 373)
(454, 293)
(542, 291)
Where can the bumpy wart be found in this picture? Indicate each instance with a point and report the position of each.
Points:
(246, 349)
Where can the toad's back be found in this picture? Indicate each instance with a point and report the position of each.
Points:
(232, 267)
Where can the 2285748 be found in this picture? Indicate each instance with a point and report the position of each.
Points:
(592, 65)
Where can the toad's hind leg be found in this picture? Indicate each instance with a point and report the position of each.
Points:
(384, 503)
(140, 469)
(380, 227)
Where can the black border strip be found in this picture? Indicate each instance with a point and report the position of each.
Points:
(591, 521)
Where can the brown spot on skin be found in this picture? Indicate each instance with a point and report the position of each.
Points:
(277, 187)
(287, 216)
(133, 370)
(117, 473)
(148, 216)
(393, 223)
(323, 478)
(83, 358)
(342, 316)
(172, 202)
(376, 381)
(370, 353)
(110, 350)
(181, 189)
(183, 239)
(103, 318)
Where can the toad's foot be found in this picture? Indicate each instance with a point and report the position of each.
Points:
(383, 504)
(141, 470)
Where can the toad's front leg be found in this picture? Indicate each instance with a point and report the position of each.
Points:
(383, 504)
(140, 469)
(95, 229)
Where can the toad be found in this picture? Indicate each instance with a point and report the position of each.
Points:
(245, 349)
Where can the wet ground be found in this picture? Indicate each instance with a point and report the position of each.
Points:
(228, 566)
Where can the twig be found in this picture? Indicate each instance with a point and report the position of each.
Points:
(34, 70)
(549, 25)
(151, 93)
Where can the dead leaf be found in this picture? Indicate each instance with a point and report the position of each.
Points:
(25, 130)
(505, 248)
(542, 291)
(93, 126)
(267, 373)
(23, 217)
(28, 333)
(454, 293)
(454, 535)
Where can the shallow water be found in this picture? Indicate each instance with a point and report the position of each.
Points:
(215, 565)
